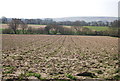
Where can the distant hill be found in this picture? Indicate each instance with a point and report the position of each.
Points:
(87, 19)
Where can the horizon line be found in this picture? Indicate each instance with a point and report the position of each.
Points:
(57, 17)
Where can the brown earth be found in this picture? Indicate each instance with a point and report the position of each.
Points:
(59, 56)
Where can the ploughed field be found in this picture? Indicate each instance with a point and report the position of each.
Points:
(59, 57)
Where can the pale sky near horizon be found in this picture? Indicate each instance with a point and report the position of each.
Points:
(57, 8)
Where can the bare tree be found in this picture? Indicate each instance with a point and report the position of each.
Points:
(23, 26)
(47, 29)
(54, 28)
(14, 24)
(30, 30)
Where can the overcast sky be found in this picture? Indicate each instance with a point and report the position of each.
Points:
(57, 8)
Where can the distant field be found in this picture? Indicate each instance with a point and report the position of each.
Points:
(33, 26)
(97, 28)
(30, 25)
(0, 30)
(37, 26)
(67, 26)
(3, 26)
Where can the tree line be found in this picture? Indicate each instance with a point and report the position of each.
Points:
(68, 23)
(17, 26)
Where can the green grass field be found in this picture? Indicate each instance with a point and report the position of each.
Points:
(1, 29)
(97, 28)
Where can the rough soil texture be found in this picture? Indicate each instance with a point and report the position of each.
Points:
(59, 57)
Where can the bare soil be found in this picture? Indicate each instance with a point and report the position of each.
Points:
(59, 56)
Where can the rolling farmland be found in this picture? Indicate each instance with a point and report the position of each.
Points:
(95, 28)
(59, 56)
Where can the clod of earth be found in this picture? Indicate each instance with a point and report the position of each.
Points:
(92, 75)
(18, 58)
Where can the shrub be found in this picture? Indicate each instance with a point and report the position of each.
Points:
(7, 31)
(71, 76)
(33, 74)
